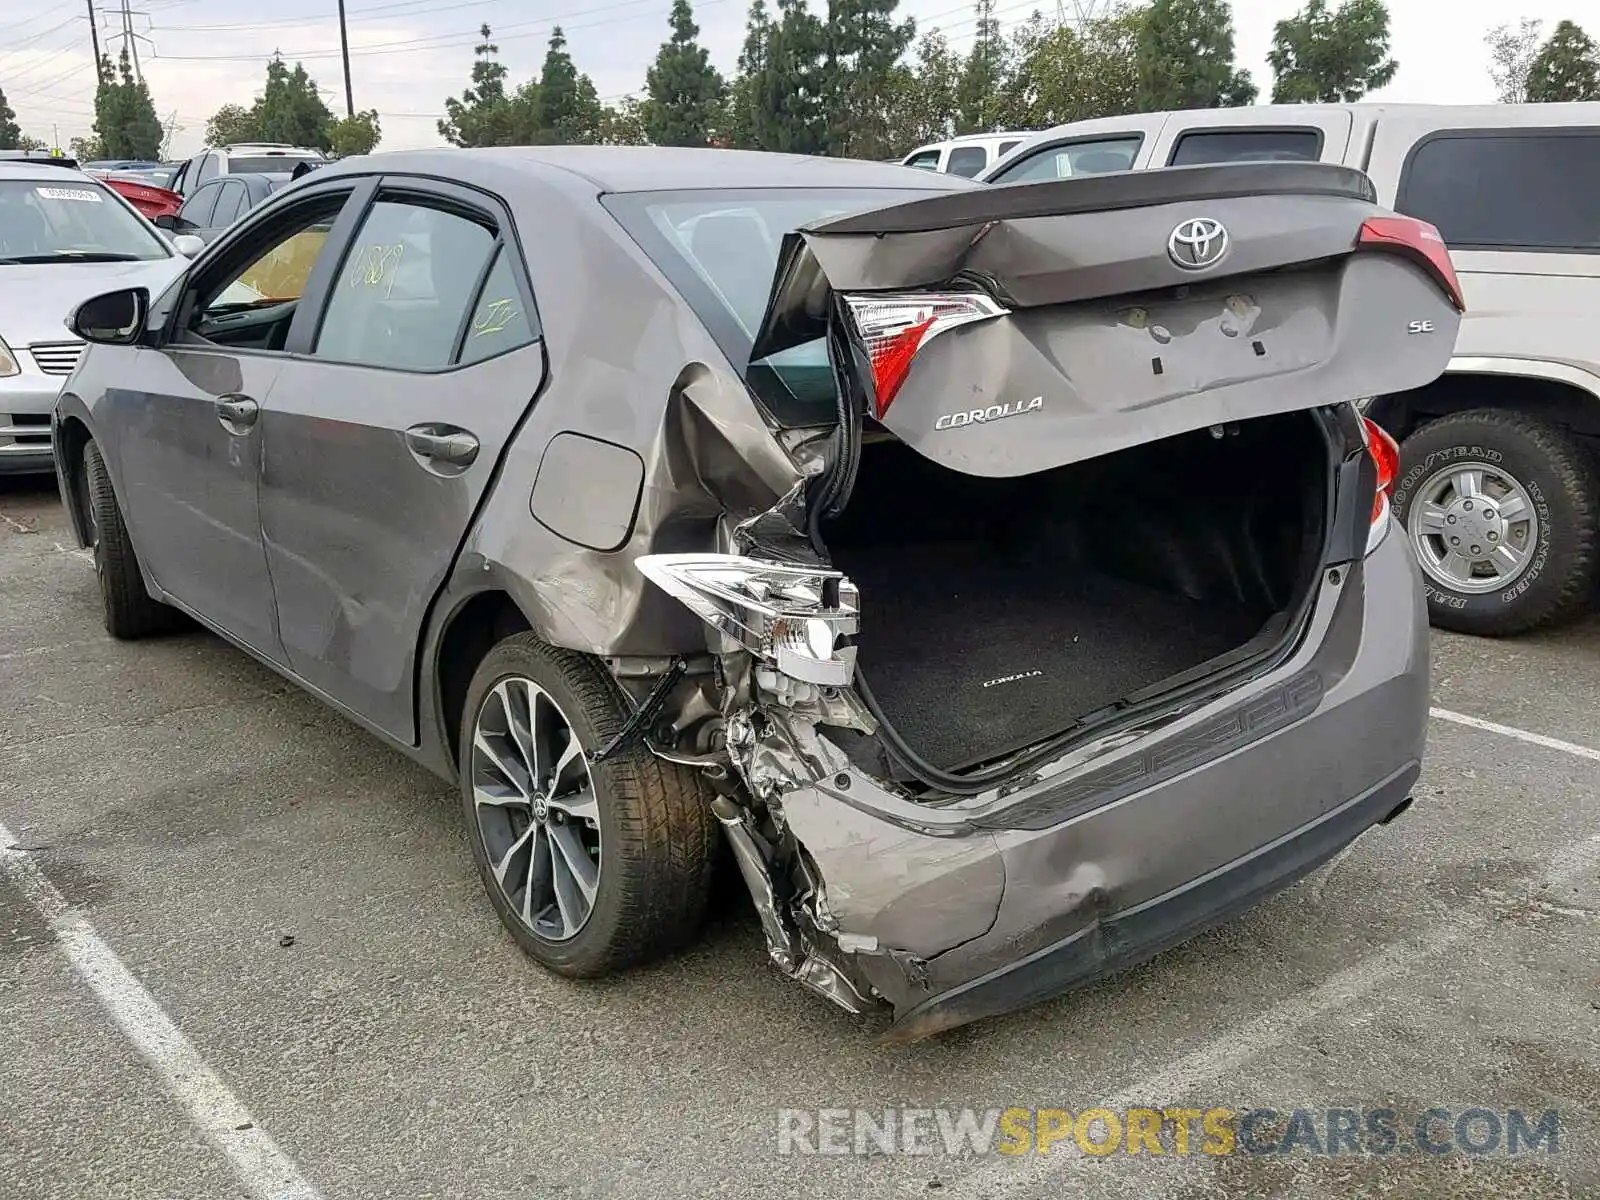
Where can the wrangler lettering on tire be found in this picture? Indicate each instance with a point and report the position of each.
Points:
(1500, 509)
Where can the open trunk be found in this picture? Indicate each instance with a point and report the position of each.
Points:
(997, 612)
(1022, 488)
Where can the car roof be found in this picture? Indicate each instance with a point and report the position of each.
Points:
(39, 169)
(653, 168)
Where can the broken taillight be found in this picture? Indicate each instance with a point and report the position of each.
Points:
(893, 328)
(1420, 242)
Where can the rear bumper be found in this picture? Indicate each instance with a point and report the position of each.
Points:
(985, 906)
(1129, 937)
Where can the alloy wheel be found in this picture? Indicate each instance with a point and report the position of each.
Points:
(1473, 527)
(537, 815)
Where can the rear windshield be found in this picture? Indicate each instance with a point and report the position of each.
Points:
(266, 164)
(720, 249)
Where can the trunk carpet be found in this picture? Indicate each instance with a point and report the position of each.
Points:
(971, 656)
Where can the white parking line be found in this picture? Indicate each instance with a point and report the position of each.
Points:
(1183, 1079)
(1522, 735)
(266, 1171)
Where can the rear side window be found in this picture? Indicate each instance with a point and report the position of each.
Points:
(1246, 145)
(967, 160)
(1532, 190)
(500, 322)
(1007, 147)
(1076, 158)
(928, 160)
(403, 293)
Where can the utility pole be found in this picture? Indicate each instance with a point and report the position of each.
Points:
(94, 40)
(130, 39)
(344, 50)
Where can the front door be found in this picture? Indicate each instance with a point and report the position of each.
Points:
(189, 428)
(380, 443)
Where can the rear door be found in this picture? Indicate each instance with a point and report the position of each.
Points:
(383, 433)
(1317, 134)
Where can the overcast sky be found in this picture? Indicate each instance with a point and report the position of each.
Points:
(408, 55)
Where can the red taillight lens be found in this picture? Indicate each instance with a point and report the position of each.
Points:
(1385, 452)
(893, 328)
(1421, 242)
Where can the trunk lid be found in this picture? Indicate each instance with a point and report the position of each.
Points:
(1111, 310)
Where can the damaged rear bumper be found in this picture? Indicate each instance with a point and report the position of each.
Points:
(1126, 938)
(954, 911)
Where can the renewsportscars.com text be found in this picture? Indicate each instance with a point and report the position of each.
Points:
(1167, 1131)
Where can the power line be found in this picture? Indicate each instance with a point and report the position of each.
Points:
(441, 41)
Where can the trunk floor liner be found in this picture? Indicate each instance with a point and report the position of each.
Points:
(970, 657)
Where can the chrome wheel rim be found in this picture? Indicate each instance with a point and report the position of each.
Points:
(1473, 528)
(536, 814)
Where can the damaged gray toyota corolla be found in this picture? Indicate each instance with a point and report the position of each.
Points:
(1003, 573)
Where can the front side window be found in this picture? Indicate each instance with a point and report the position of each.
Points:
(720, 251)
(1532, 190)
(1246, 145)
(927, 160)
(210, 167)
(230, 204)
(1075, 158)
(275, 275)
(70, 219)
(967, 161)
(403, 292)
(197, 209)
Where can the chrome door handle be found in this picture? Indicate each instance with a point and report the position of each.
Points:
(237, 412)
(442, 443)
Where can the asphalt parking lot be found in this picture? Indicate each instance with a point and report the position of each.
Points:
(272, 922)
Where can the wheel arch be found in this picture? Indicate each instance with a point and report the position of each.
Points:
(475, 626)
(1558, 393)
(71, 436)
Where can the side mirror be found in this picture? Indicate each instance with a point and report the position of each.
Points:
(113, 318)
(188, 245)
(167, 221)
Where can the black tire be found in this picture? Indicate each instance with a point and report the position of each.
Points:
(130, 611)
(659, 839)
(1556, 471)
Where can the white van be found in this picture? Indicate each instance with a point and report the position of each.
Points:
(965, 155)
(1500, 480)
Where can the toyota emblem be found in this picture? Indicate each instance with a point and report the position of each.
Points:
(1198, 243)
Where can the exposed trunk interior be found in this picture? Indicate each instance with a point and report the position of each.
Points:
(999, 612)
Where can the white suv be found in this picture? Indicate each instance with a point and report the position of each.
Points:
(242, 158)
(968, 155)
(1498, 487)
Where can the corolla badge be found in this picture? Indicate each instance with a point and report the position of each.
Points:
(1198, 243)
(977, 416)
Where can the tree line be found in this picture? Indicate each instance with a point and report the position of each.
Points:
(853, 78)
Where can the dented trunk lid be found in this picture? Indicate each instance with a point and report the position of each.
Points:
(1112, 310)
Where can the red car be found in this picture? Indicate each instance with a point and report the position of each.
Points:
(150, 200)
